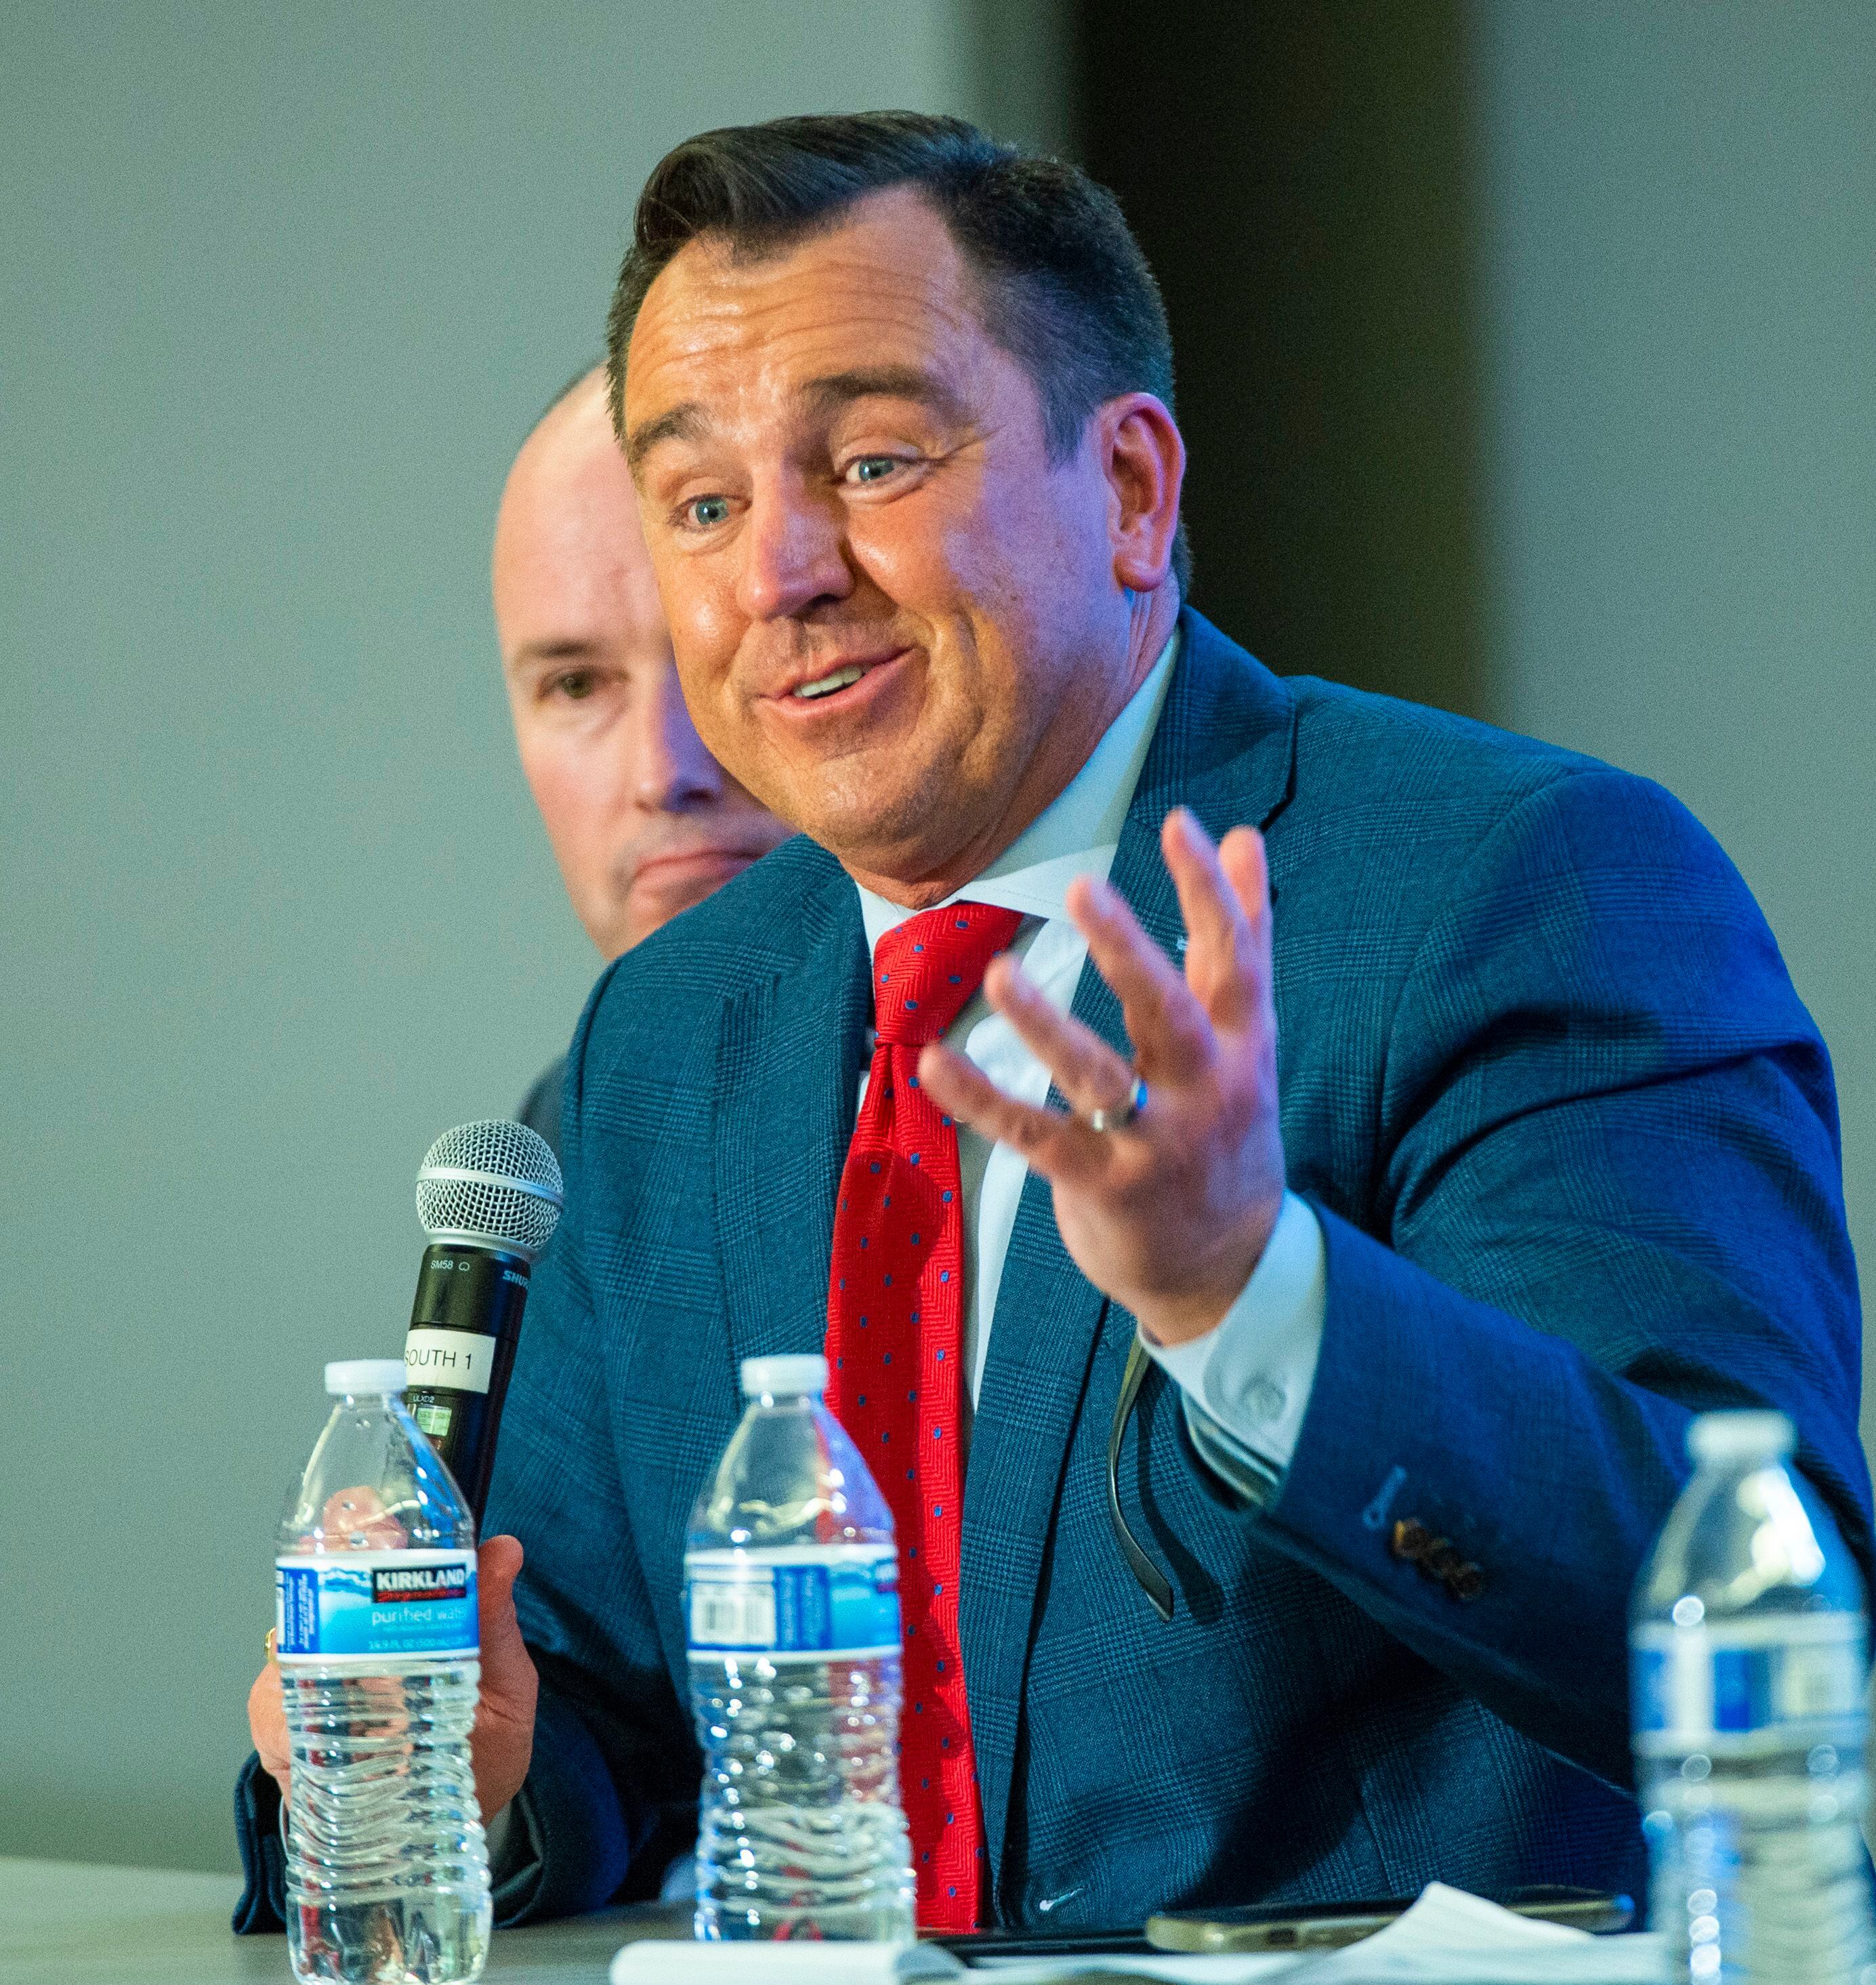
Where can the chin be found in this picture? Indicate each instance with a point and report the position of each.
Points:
(915, 823)
(653, 908)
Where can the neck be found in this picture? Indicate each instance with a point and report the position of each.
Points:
(1064, 749)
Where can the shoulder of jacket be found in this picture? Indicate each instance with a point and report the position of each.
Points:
(767, 921)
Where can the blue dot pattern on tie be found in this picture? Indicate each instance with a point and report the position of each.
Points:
(899, 1247)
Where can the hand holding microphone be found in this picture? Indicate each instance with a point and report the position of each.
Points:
(489, 1195)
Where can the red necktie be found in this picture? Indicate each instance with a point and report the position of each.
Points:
(895, 1346)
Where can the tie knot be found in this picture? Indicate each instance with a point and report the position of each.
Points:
(925, 970)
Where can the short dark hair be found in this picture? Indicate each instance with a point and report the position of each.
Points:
(1063, 285)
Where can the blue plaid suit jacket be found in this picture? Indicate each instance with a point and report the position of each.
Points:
(1573, 1142)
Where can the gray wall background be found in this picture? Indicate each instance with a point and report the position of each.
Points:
(282, 287)
(1678, 256)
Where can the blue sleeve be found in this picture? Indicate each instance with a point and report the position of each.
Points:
(611, 1791)
(567, 1783)
(1610, 1198)
(263, 1905)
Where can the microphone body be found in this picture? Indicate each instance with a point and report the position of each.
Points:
(459, 1352)
(489, 1195)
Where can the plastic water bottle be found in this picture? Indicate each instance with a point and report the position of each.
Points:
(1750, 1679)
(387, 1872)
(792, 1607)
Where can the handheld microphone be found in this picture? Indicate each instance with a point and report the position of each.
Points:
(490, 1195)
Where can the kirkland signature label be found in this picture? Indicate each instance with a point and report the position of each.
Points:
(797, 1604)
(1746, 1683)
(383, 1603)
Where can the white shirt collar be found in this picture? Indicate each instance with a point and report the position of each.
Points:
(1075, 834)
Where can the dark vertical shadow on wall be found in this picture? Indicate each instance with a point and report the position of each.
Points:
(1300, 174)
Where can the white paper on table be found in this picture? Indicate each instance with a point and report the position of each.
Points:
(1451, 1938)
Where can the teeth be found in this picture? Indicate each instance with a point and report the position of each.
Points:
(840, 679)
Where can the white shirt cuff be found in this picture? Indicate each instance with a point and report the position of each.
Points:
(1251, 1377)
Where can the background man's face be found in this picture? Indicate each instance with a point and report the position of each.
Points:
(643, 821)
(883, 597)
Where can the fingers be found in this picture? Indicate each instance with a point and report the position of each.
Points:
(1168, 1028)
(504, 1656)
(267, 1723)
(358, 1515)
(1241, 855)
(500, 1558)
(1174, 1020)
(1086, 1071)
(1054, 1145)
(509, 1682)
(502, 1742)
(1224, 898)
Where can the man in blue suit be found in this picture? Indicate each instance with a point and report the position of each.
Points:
(1382, 1134)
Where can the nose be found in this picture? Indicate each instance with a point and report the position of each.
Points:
(793, 551)
(671, 771)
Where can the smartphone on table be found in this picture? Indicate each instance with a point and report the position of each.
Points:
(1329, 1926)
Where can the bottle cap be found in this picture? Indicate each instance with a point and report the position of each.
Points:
(1724, 1438)
(805, 1373)
(365, 1374)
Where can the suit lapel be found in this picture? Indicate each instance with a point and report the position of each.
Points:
(789, 1063)
(1225, 746)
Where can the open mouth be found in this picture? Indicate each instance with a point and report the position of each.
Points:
(827, 684)
(851, 686)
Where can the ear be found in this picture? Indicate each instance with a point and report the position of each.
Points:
(1144, 459)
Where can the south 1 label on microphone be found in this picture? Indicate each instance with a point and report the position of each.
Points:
(456, 1361)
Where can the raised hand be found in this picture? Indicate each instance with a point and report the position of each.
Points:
(1169, 1212)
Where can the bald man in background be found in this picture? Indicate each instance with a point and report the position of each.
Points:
(643, 821)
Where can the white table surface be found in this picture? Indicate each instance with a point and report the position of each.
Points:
(67, 1922)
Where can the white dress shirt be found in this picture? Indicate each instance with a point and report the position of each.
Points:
(1246, 1382)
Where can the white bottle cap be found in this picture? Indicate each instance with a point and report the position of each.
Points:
(365, 1374)
(806, 1373)
(1726, 1439)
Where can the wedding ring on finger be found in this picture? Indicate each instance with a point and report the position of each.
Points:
(1118, 1120)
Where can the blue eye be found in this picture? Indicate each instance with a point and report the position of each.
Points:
(873, 468)
(705, 511)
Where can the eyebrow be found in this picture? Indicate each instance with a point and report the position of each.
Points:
(827, 394)
(684, 422)
(835, 390)
(563, 648)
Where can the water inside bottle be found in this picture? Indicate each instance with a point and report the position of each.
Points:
(387, 1877)
(791, 1610)
(1750, 1720)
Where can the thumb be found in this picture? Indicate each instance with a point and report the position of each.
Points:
(498, 1565)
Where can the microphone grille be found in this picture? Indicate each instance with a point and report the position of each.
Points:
(496, 1182)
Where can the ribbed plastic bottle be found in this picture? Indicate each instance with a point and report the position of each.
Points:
(1750, 1677)
(791, 1607)
(387, 1872)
